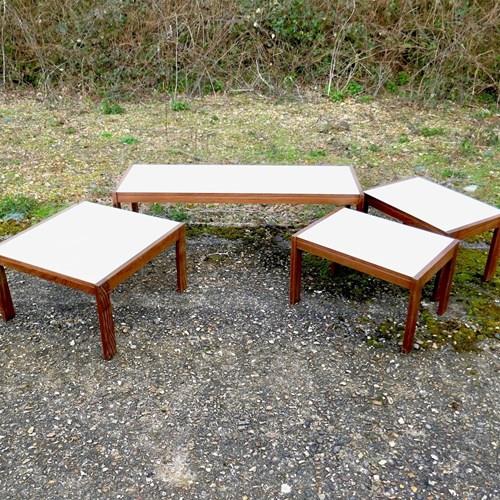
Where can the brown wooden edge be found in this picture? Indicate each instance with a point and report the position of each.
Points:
(437, 262)
(62, 279)
(355, 263)
(138, 197)
(460, 232)
(120, 274)
(491, 263)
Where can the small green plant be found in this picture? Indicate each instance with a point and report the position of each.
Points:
(354, 89)
(403, 139)
(374, 148)
(178, 213)
(17, 207)
(111, 108)
(432, 131)
(336, 96)
(128, 139)
(106, 135)
(467, 147)
(70, 130)
(176, 105)
(156, 209)
(317, 153)
(451, 173)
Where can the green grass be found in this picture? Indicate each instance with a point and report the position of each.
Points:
(111, 108)
(128, 139)
(432, 131)
(177, 106)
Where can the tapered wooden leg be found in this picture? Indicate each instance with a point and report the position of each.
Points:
(295, 272)
(437, 284)
(491, 263)
(411, 318)
(6, 306)
(135, 206)
(445, 280)
(106, 323)
(180, 260)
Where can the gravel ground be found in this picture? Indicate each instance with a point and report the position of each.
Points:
(227, 392)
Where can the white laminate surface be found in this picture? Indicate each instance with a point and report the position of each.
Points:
(437, 205)
(87, 241)
(390, 245)
(240, 179)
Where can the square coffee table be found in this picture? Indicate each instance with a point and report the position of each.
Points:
(92, 248)
(239, 184)
(399, 254)
(425, 204)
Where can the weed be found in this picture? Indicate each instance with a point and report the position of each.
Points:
(157, 209)
(179, 105)
(128, 139)
(106, 135)
(17, 207)
(374, 148)
(403, 139)
(21, 208)
(432, 131)
(316, 154)
(70, 130)
(354, 89)
(177, 213)
(452, 173)
(111, 108)
(336, 96)
(467, 147)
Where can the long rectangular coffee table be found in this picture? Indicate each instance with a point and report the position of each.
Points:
(239, 184)
(92, 248)
(399, 254)
(425, 204)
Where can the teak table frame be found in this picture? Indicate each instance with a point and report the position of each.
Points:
(134, 198)
(101, 290)
(444, 264)
(461, 233)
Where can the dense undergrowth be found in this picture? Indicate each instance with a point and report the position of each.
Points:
(120, 47)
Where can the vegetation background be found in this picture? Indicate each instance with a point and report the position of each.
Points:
(116, 48)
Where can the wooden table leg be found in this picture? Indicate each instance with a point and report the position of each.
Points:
(411, 318)
(6, 306)
(135, 206)
(362, 205)
(180, 260)
(295, 272)
(437, 284)
(106, 323)
(445, 280)
(491, 263)
(116, 203)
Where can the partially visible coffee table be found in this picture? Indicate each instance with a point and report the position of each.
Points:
(239, 184)
(92, 248)
(425, 204)
(396, 253)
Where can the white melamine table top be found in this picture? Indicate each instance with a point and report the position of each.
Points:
(87, 241)
(436, 205)
(390, 245)
(241, 179)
